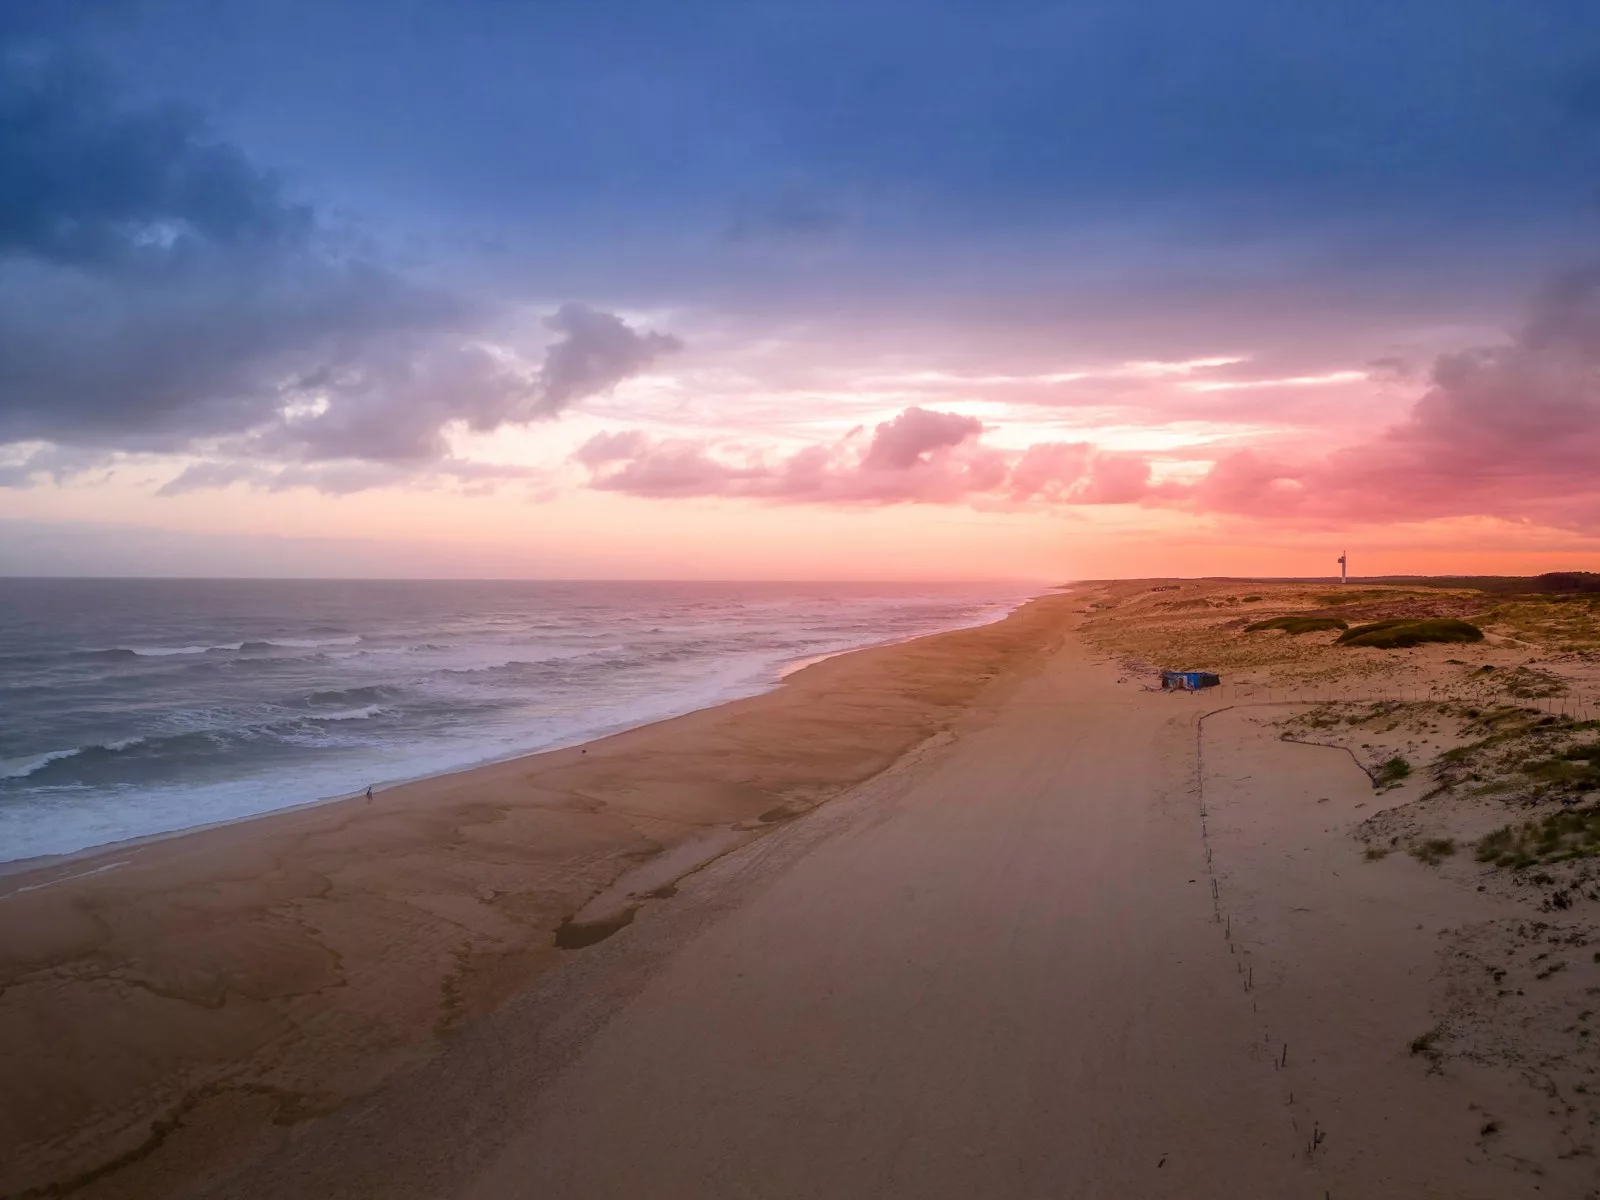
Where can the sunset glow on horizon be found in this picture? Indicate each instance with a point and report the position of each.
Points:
(609, 302)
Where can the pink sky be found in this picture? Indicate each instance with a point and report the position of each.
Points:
(778, 457)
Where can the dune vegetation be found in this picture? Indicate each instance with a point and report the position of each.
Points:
(1556, 837)
(1401, 632)
(1298, 625)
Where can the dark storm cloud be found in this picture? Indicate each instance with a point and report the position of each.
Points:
(95, 360)
(90, 184)
(154, 285)
(160, 292)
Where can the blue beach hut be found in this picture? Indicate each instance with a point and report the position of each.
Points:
(1188, 681)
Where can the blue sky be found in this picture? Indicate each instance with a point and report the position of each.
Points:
(719, 149)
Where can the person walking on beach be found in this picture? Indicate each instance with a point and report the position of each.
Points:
(369, 791)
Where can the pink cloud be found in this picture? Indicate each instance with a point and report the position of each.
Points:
(1078, 473)
(921, 456)
(1509, 431)
(910, 439)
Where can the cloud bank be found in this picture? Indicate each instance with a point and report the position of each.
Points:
(160, 293)
(1509, 431)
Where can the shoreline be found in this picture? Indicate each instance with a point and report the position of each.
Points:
(275, 966)
(10, 867)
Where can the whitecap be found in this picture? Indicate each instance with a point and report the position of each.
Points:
(351, 714)
(164, 651)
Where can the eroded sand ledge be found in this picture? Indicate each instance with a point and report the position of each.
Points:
(196, 997)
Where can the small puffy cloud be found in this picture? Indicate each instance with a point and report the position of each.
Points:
(1078, 473)
(910, 438)
(605, 448)
(596, 351)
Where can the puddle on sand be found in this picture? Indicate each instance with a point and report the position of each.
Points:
(571, 935)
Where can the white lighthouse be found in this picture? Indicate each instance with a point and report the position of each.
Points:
(1343, 576)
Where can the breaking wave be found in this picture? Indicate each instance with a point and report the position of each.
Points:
(21, 768)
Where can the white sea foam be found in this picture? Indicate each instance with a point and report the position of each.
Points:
(351, 714)
(167, 651)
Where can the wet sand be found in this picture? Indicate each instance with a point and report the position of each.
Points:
(1048, 935)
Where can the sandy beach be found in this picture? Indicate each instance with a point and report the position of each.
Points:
(975, 915)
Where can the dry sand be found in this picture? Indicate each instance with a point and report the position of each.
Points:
(1050, 936)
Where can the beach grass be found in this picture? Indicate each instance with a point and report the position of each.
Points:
(1558, 837)
(1433, 851)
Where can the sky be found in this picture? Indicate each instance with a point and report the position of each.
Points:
(867, 289)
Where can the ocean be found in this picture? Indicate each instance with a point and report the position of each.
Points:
(135, 707)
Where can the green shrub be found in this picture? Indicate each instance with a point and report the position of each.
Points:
(1298, 625)
(1492, 845)
(1570, 833)
(1392, 771)
(1573, 770)
(1399, 633)
(1433, 851)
